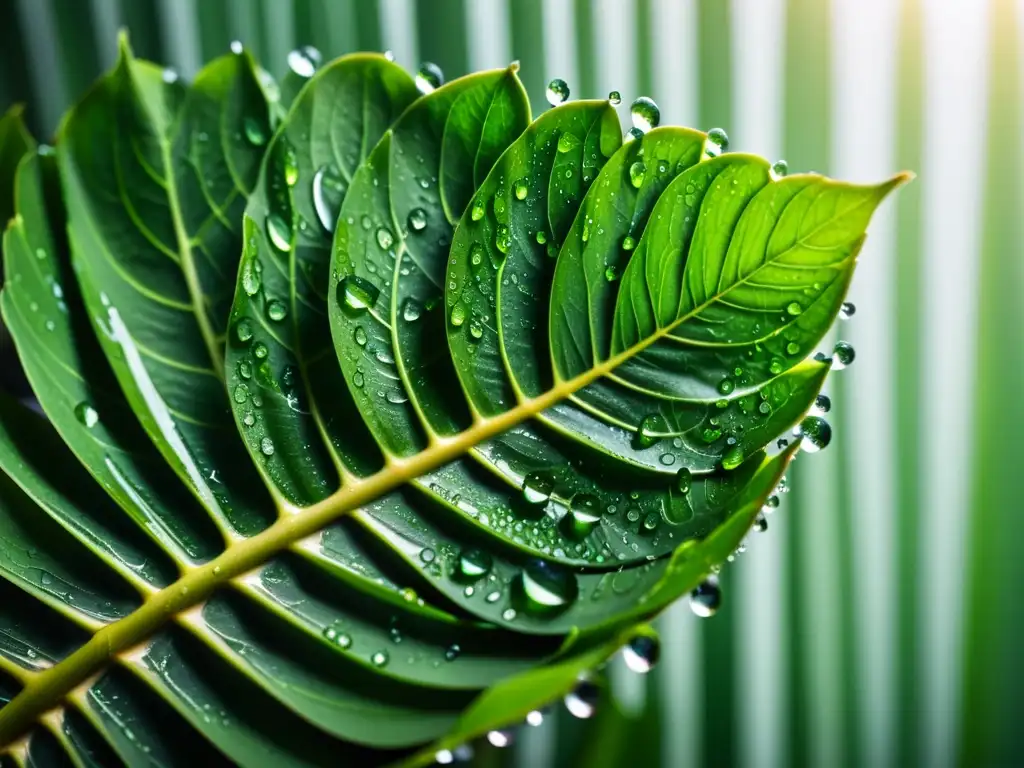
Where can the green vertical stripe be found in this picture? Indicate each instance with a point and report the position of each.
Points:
(994, 668)
(367, 20)
(528, 47)
(441, 33)
(585, 51)
(244, 18)
(15, 86)
(908, 384)
(806, 143)
(214, 28)
(644, 49)
(76, 42)
(142, 21)
(714, 99)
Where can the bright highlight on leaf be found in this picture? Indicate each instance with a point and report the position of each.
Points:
(377, 417)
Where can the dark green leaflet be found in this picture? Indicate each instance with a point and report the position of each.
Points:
(155, 177)
(286, 390)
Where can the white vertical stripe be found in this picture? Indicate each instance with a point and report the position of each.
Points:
(757, 46)
(863, 118)
(179, 30)
(615, 48)
(560, 57)
(42, 42)
(279, 23)
(242, 17)
(398, 30)
(487, 22)
(673, 34)
(106, 18)
(956, 36)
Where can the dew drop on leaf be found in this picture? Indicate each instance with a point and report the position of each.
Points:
(411, 310)
(628, 243)
(279, 232)
(476, 331)
(243, 330)
(641, 653)
(384, 238)
(359, 336)
(503, 239)
(706, 598)
(277, 310)
(291, 166)
(582, 700)
(684, 480)
(732, 458)
(380, 659)
(267, 446)
(304, 61)
(637, 171)
(843, 354)
(611, 273)
(717, 142)
(645, 114)
(241, 394)
(473, 564)
(260, 350)
(87, 415)
(557, 92)
(328, 193)
(614, 98)
(429, 77)
(822, 405)
(794, 308)
(537, 488)
(417, 220)
(780, 169)
(452, 652)
(567, 142)
(458, 315)
(255, 133)
(356, 295)
(584, 514)
(546, 587)
(251, 270)
(521, 190)
(815, 434)
(650, 430)
(500, 738)
(478, 210)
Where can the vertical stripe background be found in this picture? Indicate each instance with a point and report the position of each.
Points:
(877, 622)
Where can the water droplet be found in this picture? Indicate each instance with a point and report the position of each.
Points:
(780, 169)
(792, 348)
(822, 405)
(267, 446)
(458, 314)
(452, 652)
(279, 232)
(356, 295)
(557, 92)
(848, 310)
(843, 354)
(534, 718)
(380, 659)
(255, 132)
(541, 237)
(251, 273)
(732, 458)
(290, 163)
(706, 599)
(772, 502)
(478, 210)
(427, 555)
(726, 385)
(537, 488)
(684, 480)
(260, 350)
(760, 523)
(521, 190)
(500, 739)
(429, 77)
(236, 47)
(717, 142)
(584, 514)
(611, 273)
(645, 114)
(328, 193)
(509, 614)
(249, 419)
(417, 220)
(637, 171)
(169, 75)
(389, 55)
(816, 433)
(476, 331)
(277, 310)
(87, 415)
(243, 330)
(614, 98)
(650, 430)
(245, 369)
(794, 308)
(567, 142)
(304, 61)
(241, 394)
(473, 564)
(547, 587)
(411, 310)
(503, 239)
(582, 700)
(642, 653)
(384, 238)
(359, 336)
(628, 243)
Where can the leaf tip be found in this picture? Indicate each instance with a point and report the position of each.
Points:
(514, 67)
(124, 46)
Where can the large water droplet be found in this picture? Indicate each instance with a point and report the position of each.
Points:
(243, 330)
(500, 738)
(503, 239)
(277, 310)
(650, 430)
(794, 308)
(816, 433)
(251, 273)
(304, 61)
(732, 458)
(637, 172)
(279, 232)
(359, 336)
(478, 210)
(417, 220)
(290, 164)
(706, 599)
(822, 405)
(642, 653)
(584, 514)
(87, 415)
(473, 564)
(267, 446)
(843, 355)
(380, 658)
(582, 700)
(384, 238)
(356, 295)
(717, 142)
(645, 114)
(557, 92)
(458, 315)
(411, 310)
(429, 77)
(547, 587)
(328, 193)
(537, 488)
(255, 131)
(567, 142)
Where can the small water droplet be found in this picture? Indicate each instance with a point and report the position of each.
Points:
(557, 92)
(500, 739)
(815, 434)
(521, 190)
(255, 132)
(706, 599)
(503, 239)
(356, 295)
(637, 171)
(304, 61)
(87, 415)
(650, 430)
(290, 164)
(642, 653)
(380, 658)
(384, 238)
(582, 700)
(717, 142)
(429, 77)
(359, 336)
(848, 310)
(546, 587)
(537, 488)
(252, 278)
(473, 564)
(411, 310)
(611, 273)
(614, 98)
(628, 243)
(584, 515)
(267, 446)
(260, 350)
(236, 47)
(427, 555)
(243, 330)
(780, 169)
(645, 114)
(277, 310)
(760, 523)
(794, 308)
(843, 355)
(241, 394)
(476, 331)
(417, 220)
(478, 210)
(458, 314)
(452, 652)
(534, 718)
(725, 386)
(822, 405)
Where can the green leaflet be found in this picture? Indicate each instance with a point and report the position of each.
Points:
(286, 390)
(477, 362)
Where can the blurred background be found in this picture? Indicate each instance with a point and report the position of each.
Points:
(879, 620)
